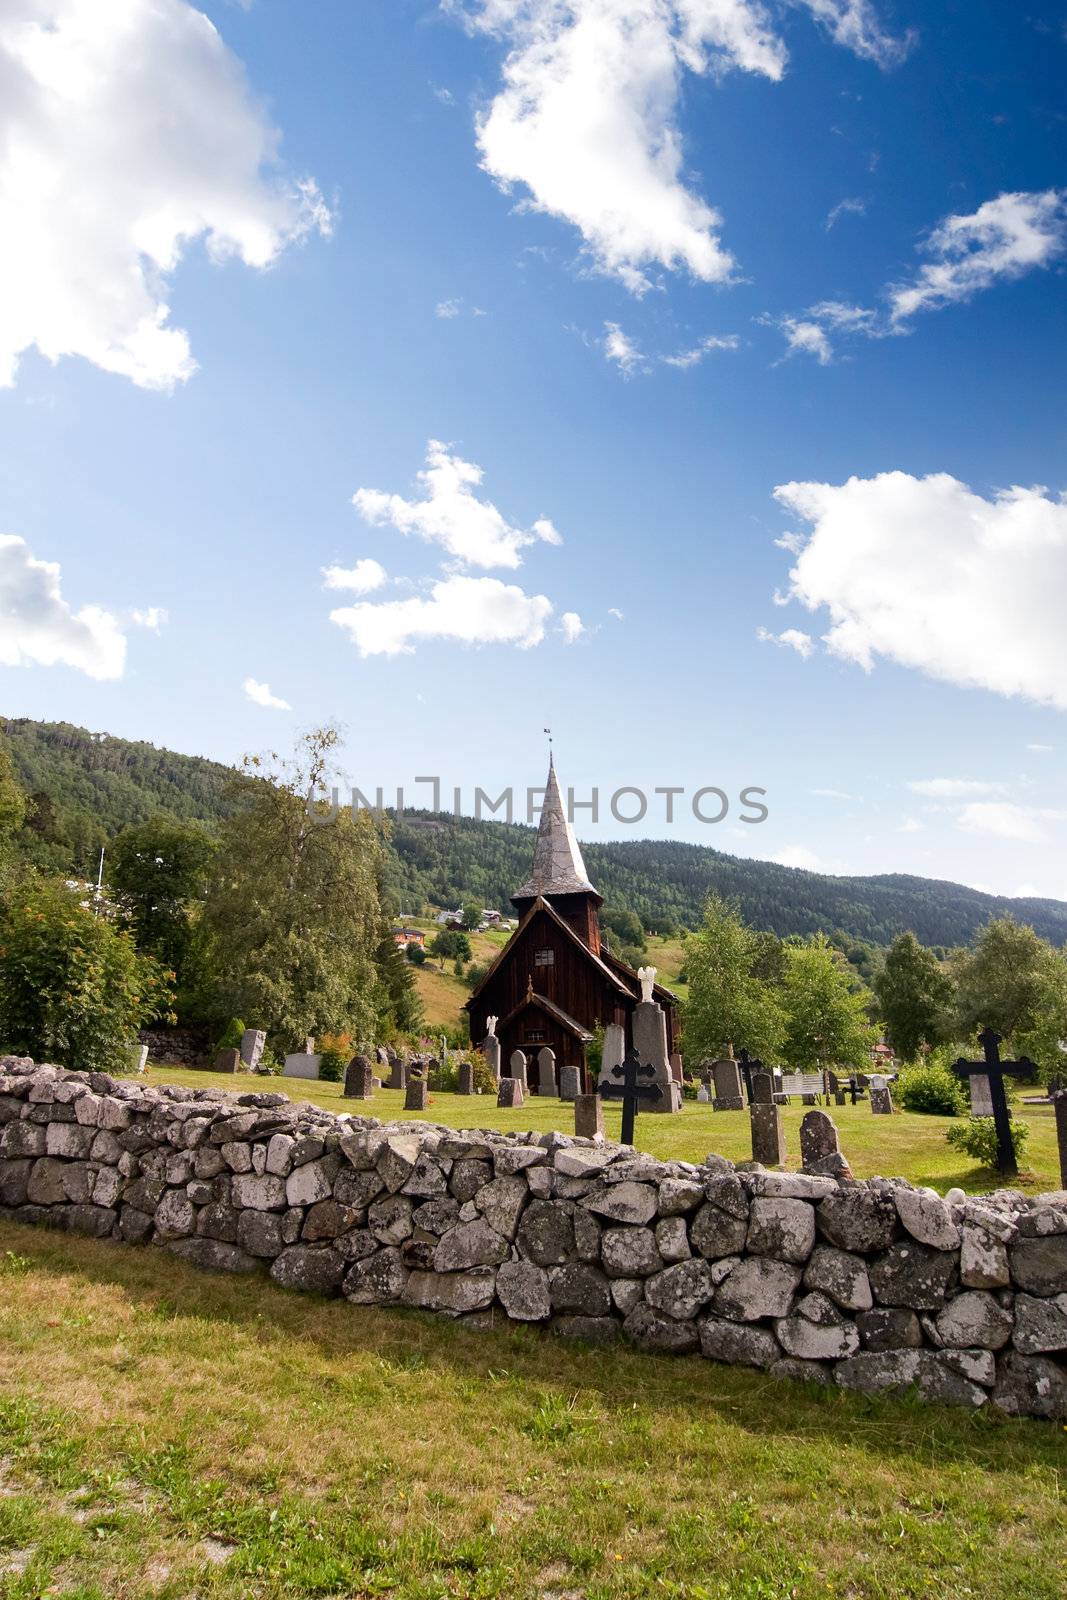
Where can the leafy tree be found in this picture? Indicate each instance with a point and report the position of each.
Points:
(157, 870)
(292, 911)
(450, 945)
(913, 991)
(1044, 1038)
(727, 1001)
(416, 955)
(12, 809)
(826, 1022)
(73, 988)
(471, 915)
(626, 926)
(999, 981)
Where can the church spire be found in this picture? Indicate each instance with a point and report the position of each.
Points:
(558, 867)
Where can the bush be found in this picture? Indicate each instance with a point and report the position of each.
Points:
(231, 1036)
(977, 1137)
(931, 1088)
(269, 1064)
(73, 988)
(335, 1052)
(416, 955)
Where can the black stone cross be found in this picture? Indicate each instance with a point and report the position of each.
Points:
(630, 1091)
(994, 1069)
(749, 1065)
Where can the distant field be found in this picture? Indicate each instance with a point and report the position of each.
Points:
(905, 1145)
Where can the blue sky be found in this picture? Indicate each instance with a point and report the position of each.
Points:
(883, 293)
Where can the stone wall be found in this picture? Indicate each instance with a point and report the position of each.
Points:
(873, 1285)
(180, 1047)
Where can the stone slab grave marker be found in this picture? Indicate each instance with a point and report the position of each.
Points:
(727, 1081)
(137, 1055)
(398, 1072)
(359, 1079)
(994, 1069)
(588, 1116)
(491, 1049)
(227, 1060)
(981, 1095)
(820, 1147)
(834, 1086)
(546, 1071)
(881, 1096)
(517, 1069)
(677, 1069)
(570, 1083)
(768, 1131)
(636, 1086)
(509, 1093)
(465, 1080)
(613, 1052)
(649, 1028)
(301, 1064)
(417, 1094)
(253, 1041)
(703, 1097)
(1059, 1106)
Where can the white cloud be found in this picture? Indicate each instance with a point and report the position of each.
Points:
(366, 575)
(791, 639)
(856, 208)
(1002, 820)
(38, 625)
(152, 617)
(447, 308)
(1041, 749)
(690, 358)
(571, 627)
(613, 611)
(797, 855)
(910, 825)
(1005, 238)
(806, 337)
(953, 788)
(832, 794)
(470, 610)
(926, 573)
(127, 132)
(620, 348)
(261, 694)
(587, 119)
(451, 515)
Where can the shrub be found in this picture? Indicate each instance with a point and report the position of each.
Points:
(977, 1137)
(931, 1088)
(335, 1052)
(269, 1064)
(73, 988)
(231, 1036)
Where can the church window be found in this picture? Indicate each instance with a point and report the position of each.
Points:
(544, 958)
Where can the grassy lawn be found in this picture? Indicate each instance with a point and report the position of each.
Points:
(905, 1145)
(165, 1433)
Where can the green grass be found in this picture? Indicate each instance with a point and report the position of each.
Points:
(905, 1145)
(153, 1417)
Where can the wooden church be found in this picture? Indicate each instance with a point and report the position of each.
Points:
(554, 983)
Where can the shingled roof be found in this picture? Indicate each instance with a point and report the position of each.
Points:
(558, 867)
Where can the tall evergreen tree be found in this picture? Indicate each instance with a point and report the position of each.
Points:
(913, 991)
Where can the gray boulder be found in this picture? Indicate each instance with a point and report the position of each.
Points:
(841, 1275)
(311, 1270)
(579, 1288)
(377, 1280)
(983, 1260)
(501, 1202)
(784, 1229)
(650, 1330)
(912, 1274)
(885, 1328)
(1031, 1386)
(857, 1219)
(722, 1340)
(1040, 1265)
(623, 1202)
(672, 1239)
(716, 1233)
(522, 1289)
(682, 1290)
(213, 1255)
(975, 1320)
(757, 1287)
(453, 1293)
(927, 1218)
(630, 1252)
(546, 1233)
(469, 1244)
(1040, 1325)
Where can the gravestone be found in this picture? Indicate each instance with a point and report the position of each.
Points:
(768, 1132)
(309, 1046)
(227, 1060)
(570, 1083)
(881, 1098)
(650, 1044)
(588, 1116)
(981, 1095)
(993, 1069)
(509, 1093)
(702, 1094)
(301, 1064)
(517, 1069)
(835, 1088)
(546, 1071)
(382, 1056)
(818, 1137)
(465, 1082)
(417, 1094)
(491, 1052)
(398, 1072)
(137, 1055)
(808, 1099)
(614, 1050)
(253, 1041)
(1059, 1105)
(677, 1072)
(727, 1079)
(359, 1079)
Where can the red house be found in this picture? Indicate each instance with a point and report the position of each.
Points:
(553, 983)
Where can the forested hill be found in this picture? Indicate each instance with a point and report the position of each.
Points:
(97, 784)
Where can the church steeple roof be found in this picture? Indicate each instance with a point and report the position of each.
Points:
(558, 867)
